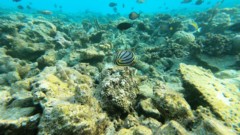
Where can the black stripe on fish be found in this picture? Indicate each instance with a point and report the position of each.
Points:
(120, 63)
(127, 55)
(129, 61)
(125, 58)
(122, 53)
(119, 55)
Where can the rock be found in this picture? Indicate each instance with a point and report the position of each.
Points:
(49, 88)
(12, 77)
(28, 51)
(131, 121)
(30, 39)
(18, 115)
(5, 96)
(48, 59)
(151, 123)
(227, 74)
(216, 45)
(12, 69)
(66, 98)
(124, 131)
(172, 128)
(216, 63)
(137, 130)
(183, 37)
(206, 90)
(106, 47)
(91, 54)
(236, 44)
(149, 109)
(96, 37)
(72, 119)
(142, 130)
(87, 69)
(118, 89)
(72, 57)
(145, 89)
(209, 125)
(62, 40)
(3, 80)
(219, 22)
(21, 126)
(173, 106)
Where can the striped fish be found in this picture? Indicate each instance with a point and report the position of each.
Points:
(125, 58)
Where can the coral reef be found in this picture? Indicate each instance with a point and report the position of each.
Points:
(236, 44)
(216, 44)
(58, 76)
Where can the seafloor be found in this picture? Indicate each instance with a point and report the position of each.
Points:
(58, 76)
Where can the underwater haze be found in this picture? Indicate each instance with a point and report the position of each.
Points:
(119, 67)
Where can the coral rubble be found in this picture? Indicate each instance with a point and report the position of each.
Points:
(58, 74)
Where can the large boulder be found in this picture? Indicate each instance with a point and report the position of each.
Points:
(203, 88)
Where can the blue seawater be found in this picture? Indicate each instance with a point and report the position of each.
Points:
(102, 6)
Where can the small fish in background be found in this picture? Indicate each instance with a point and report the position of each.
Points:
(133, 15)
(16, 0)
(123, 5)
(55, 5)
(193, 27)
(115, 10)
(235, 27)
(20, 7)
(112, 4)
(199, 2)
(124, 26)
(186, 1)
(45, 12)
(28, 7)
(140, 1)
(125, 58)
